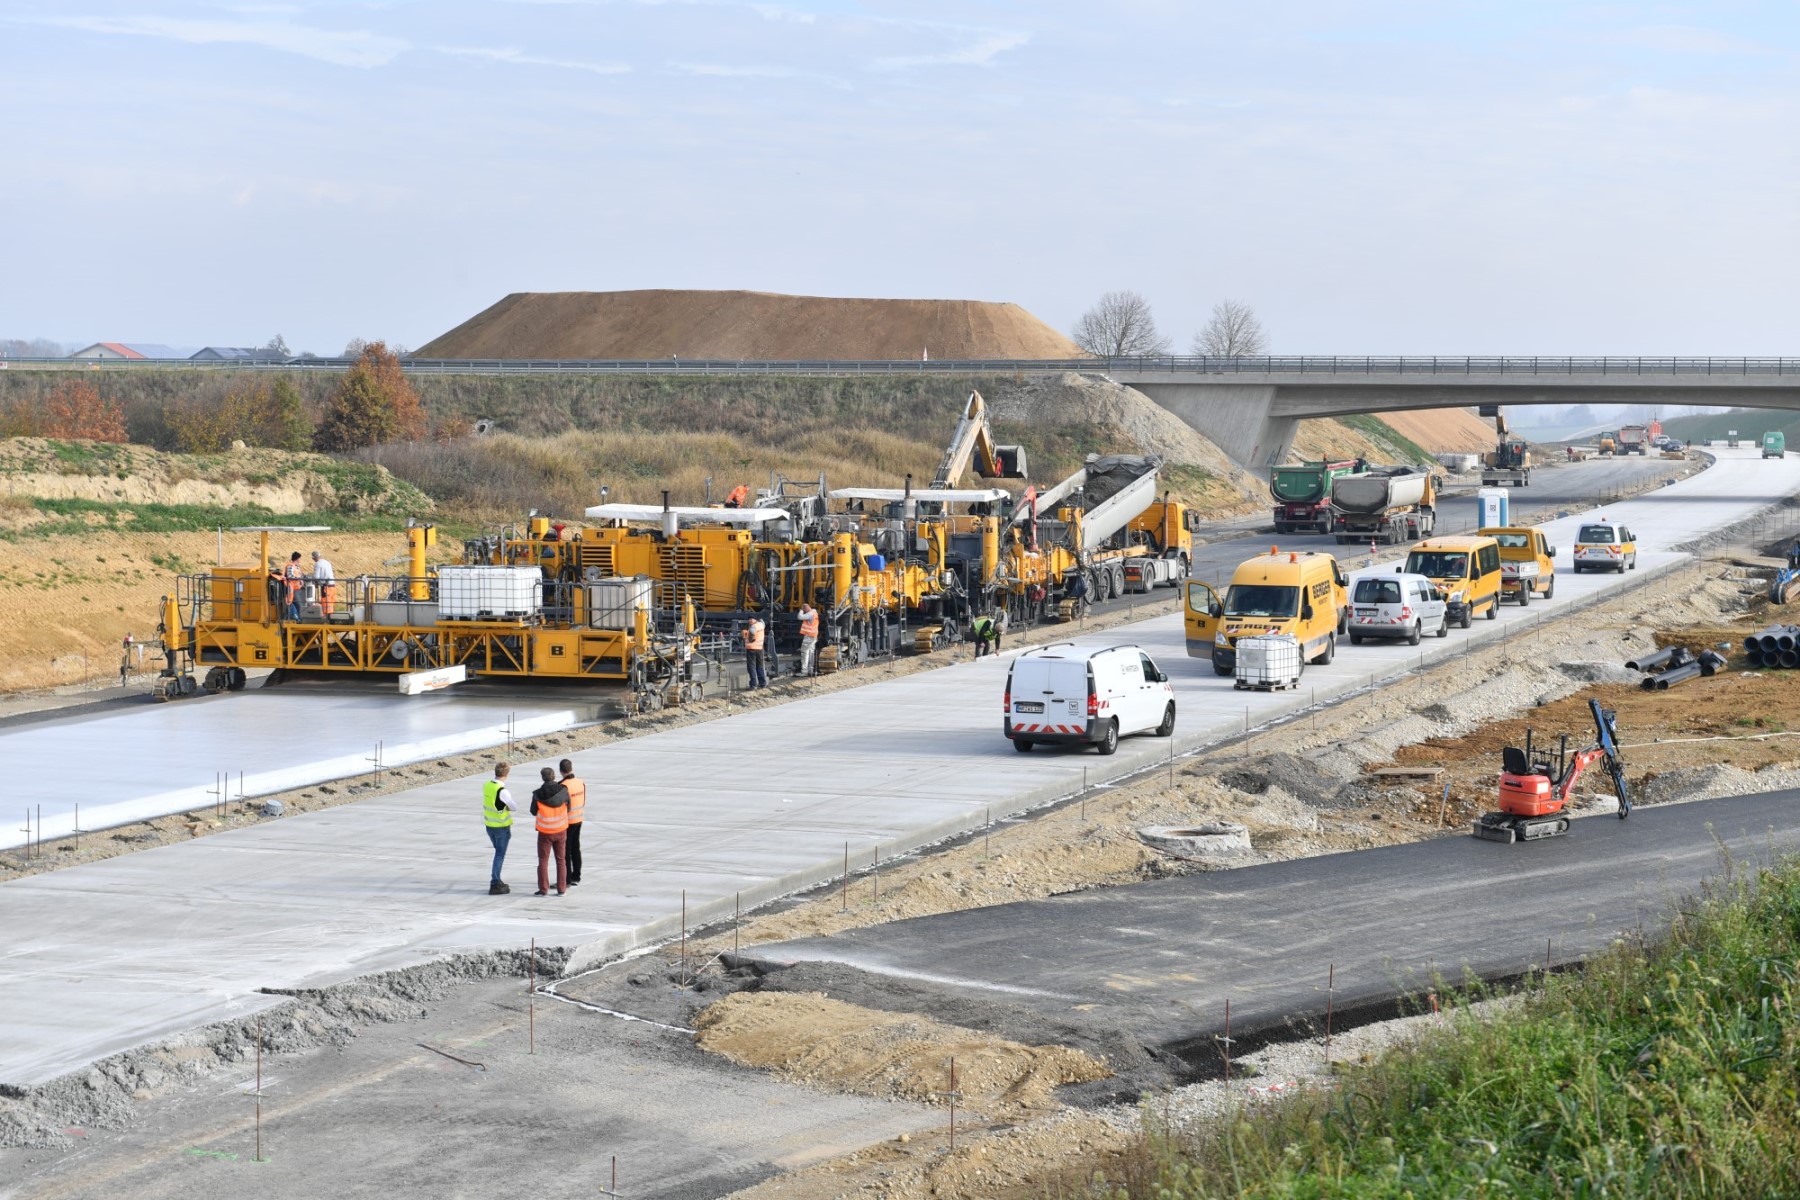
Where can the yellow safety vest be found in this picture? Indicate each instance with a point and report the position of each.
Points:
(495, 816)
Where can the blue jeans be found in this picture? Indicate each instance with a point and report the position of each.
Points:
(753, 659)
(500, 838)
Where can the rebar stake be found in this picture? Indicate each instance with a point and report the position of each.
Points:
(684, 973)
(1226, 1040)
(737, 916)
(531, 1003)
(844, 890)
(1330, 995)
(259, 1156)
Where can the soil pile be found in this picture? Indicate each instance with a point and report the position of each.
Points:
(666, 323)
(810, 1039)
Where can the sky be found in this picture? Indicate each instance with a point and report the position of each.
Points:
(1391, 176)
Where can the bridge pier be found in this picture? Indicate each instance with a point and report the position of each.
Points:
(1238, 418)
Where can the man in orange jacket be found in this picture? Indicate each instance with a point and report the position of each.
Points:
(550, 805)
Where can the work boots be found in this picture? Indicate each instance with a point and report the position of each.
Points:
(497, 888)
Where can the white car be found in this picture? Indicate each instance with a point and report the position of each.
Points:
(1393, 604)
(1066, 695)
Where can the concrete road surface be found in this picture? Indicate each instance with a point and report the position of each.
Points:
(1162, 958)
(114, 954)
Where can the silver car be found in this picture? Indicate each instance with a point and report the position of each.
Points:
(1393, 604)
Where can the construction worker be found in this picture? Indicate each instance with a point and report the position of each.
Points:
(550, 805)
(577, 789)
(276, 588)
(1794, 556)
(809, 637)
(326, 579)
(292, 578)
(496, 813)
(753, 653)
(987, 635)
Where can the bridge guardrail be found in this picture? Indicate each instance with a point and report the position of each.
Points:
(1261, 365)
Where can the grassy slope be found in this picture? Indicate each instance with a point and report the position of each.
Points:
(1751, 424)
(1669, 1070)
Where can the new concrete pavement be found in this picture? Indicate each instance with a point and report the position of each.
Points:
(114, 954)
(1162, 958)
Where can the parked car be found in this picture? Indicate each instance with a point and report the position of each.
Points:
(1605, 546)
(1393, 604)
(1067, 695)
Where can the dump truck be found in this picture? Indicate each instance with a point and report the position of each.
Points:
(1388, 505)
(1303, 493)
(1508, 464)
(1633, 439)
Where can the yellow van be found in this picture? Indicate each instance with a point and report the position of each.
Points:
(1465, 569)
(1605, 545)
(1527, 563)
(1304, 594)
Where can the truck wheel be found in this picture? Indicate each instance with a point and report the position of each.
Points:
(1118, 579)
(1021, 745)
(1550, 588)
(1468, 617)
(1167, 728)
(1324, 659)
(1524, 593)
(1494, 608)
(1634, 562)
(1412, 639)
(1324, 527)
(1109, 741)
(1444, 626)
(1356, 639)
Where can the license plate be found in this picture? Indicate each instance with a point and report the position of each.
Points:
(1028, 706)
(1366, 612)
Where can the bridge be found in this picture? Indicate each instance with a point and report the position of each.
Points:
(1249, 407)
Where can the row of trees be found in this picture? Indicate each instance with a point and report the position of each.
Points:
(1121, 325)
(374, 402)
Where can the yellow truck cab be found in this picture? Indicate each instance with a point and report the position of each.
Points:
(1465, 569)
(1303, 594)
(1605, 545)
(1527, 563)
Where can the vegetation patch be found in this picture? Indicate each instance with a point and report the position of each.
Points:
(88, 516)
(1665, 1069)
(1378, 431)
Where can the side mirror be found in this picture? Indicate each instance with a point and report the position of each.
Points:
(1215, 609)
(1161, 678)
(1306, 611)
(1550, 551)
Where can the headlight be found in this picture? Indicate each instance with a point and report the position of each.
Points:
(1219, 639)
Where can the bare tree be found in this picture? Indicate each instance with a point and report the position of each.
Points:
(278, 345)
(1231, 332)
(1120, 326)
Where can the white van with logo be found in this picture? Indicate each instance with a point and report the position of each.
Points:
(1067, 695)
(1393, 604)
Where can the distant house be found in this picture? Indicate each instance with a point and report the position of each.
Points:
(128, 350)
(245, 354)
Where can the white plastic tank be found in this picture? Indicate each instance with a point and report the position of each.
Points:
(612, 603)
(1268, 660)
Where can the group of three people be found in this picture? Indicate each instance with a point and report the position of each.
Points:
(286, 584)
(559, 806)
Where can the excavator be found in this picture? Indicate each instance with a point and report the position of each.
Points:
(1534, 792)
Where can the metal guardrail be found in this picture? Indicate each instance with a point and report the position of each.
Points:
(1336, 366)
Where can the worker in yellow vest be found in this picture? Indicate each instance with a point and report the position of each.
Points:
(809, 637)
(753, 653)
(577, 789)
(550, 805)
(496, 813)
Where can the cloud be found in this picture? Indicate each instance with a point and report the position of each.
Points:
(345, 48)
(981, 52)
(758, 71)
(1687, 39)
(511, 54)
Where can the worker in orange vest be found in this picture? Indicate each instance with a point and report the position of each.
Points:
(577, 789)
(753, 653)
(809, 637)
(293, 577)
(550, 805)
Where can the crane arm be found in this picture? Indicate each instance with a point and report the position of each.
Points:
(1604, 750)
(973, 442)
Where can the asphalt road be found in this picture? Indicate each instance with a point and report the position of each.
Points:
(1161, 959)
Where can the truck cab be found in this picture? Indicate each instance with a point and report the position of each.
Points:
(1527, 563)
(1304, 595)
(1465, 569)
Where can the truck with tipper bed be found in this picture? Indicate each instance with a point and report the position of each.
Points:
(1633, 439)
(1302, 493)
(1388, 505)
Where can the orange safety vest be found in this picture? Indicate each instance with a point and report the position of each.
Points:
(809, 626)
(291, 575)
(753, 636)
(577, 797)
(552, 820)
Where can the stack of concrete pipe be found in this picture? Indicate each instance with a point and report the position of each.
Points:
(1666, 668)
(1776, 646)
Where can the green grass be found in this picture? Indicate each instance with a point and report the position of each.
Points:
(1669, 1069)
(76, 517)
(1381, 433)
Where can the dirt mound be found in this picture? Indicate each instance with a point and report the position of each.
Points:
(811, 1039)
(1443, 430)
(746, 325)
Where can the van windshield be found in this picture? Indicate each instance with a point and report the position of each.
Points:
(1437, 564)
(1377, 591)
(1596, 533)
(1262, 600)
(1513, 541)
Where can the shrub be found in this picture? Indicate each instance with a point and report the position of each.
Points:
(373, 403)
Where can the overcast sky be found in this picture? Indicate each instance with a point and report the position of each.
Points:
(1391, 176)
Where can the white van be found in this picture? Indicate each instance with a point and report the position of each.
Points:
(1064, 695)
(1393, 604)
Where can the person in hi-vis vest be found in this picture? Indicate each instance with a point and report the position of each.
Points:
(496, 813)
(550, 805)
(577, 803)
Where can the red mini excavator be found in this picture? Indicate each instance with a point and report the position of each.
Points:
(1534, 793)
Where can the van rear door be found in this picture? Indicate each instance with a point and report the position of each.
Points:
(1049, 695)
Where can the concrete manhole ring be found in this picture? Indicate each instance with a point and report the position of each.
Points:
(1209, 839)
